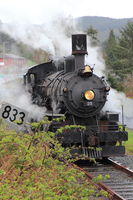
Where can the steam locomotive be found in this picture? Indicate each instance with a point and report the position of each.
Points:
(67, 87)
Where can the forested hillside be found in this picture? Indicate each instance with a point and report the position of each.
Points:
(119, 59)
(102, 24)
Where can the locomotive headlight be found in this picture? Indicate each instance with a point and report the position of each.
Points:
(89, 95)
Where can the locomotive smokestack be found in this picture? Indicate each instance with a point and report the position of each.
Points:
(79, 44)
(79, 49)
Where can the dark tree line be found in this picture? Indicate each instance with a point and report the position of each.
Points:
(118, 53)
(119, 56)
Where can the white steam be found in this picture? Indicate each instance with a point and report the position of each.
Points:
(95, 60)
(53, 37)
(13, 92)
(117, 100)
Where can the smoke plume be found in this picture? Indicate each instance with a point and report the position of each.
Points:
(53, 37)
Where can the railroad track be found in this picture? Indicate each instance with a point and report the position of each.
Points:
(120, 183)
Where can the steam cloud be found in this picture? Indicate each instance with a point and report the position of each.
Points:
(13, 92)
(55, 37)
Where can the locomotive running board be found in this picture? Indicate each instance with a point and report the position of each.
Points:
(54, 115)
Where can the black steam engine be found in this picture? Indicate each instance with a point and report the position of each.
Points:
(68, 87)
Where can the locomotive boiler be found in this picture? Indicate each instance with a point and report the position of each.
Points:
(67, 87)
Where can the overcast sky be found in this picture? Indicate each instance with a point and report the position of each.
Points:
(39, 11)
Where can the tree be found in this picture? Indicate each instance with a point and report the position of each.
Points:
(126, 43)
(111, 42)
(111, 46)
(119, 55)
(40, 56)
(92, 33)
(110, 50)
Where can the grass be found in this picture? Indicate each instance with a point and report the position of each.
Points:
(129, 144)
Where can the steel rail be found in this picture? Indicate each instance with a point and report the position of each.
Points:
(120, 167)
(112, 194)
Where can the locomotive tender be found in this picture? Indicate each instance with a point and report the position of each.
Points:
(69, 87)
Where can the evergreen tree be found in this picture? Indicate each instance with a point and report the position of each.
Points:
(126, 44)
(119, 56)
(110, 49)
(114, 66)
(92, 33)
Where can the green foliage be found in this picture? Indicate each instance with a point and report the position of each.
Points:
(70, 127)
(92, 33)
(100, 178)
(36, 173)
(110, 49)
(114, 82)
(119, 56)
(102, 193)
(129, 144)
(2, 172)
(59, 119)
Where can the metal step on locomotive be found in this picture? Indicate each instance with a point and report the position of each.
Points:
(67, 87)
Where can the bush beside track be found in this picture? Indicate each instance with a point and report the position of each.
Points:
(31, 170)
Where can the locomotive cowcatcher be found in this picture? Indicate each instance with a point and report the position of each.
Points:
(67, 87)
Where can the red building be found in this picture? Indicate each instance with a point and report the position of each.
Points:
(12, 60)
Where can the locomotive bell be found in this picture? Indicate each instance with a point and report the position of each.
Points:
(86, 71)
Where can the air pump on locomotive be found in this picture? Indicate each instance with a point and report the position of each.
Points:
(69, 87)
